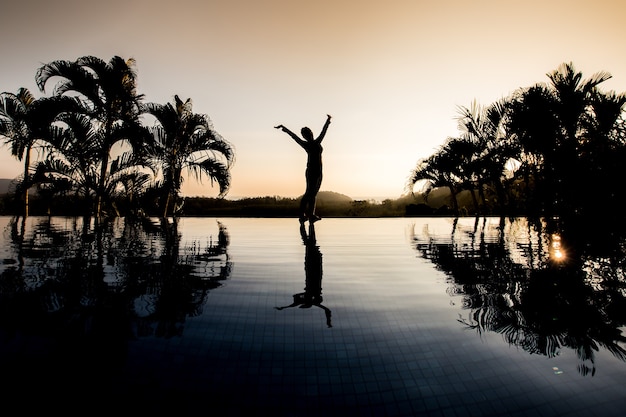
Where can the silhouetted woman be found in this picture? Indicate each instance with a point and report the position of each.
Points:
(313, 173)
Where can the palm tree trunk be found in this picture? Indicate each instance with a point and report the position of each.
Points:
(26, 203)
(172, 188)
(453, 200)
(166, 205)
(26, 180)
(103, 171)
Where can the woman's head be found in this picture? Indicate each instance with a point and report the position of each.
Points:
(306, 133)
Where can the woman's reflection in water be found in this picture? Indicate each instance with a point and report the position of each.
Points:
(312, 295)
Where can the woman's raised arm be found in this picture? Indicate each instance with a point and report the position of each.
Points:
(324, 129)
(290, 133)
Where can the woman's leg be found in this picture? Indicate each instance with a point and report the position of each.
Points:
(308, 202)
(303, 208)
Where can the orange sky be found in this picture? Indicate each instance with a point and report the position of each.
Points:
(391, 73)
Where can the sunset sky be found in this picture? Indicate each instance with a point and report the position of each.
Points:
(390, 72)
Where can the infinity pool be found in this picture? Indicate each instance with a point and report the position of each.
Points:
(346, 317)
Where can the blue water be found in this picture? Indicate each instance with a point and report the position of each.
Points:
(378, 317)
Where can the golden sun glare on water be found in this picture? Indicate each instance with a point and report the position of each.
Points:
(557, 253)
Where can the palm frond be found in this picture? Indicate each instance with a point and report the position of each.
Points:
(74, 78)
(126, 161)
(11, 107)
(25, 96)
(97, 65)
(132, 181)
(214, 170)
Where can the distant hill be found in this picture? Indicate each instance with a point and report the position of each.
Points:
(323, 196)
(332, 197)
(329, 204)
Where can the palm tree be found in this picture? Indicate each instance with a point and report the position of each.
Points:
(108, 90)
(127, 178)
(459, 156)
(439, 170)
(550, 122)
(603, 150)
(425, 174)
(493, 153)
(186, 140)
(73, 159)
(533, 128)
(25, 120)
(16, 127)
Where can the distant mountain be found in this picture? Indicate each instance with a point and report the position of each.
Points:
(332, 197)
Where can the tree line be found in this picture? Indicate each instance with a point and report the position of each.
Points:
(103, 149)
(551, 149)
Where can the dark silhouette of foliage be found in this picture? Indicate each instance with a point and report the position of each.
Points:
(186, 140)
(549, 149)
(108, 93)
(559, 288)
(95, 153)
(26, 121)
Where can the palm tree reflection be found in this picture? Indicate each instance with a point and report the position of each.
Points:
(109, 281)
(539, 286)
(312, 295)
(176, 286)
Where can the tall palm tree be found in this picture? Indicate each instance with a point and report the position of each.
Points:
(108, 90)
(550, 122)
(186, 140)
(15, 126)
(439, 170)
(533, 128)
(484, 126)
(74, 159)
(603, 150)
(456, 159)
(25, 120)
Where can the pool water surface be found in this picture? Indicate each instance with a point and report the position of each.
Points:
(251, 316)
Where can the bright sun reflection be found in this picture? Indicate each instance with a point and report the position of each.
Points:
(556, 250)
